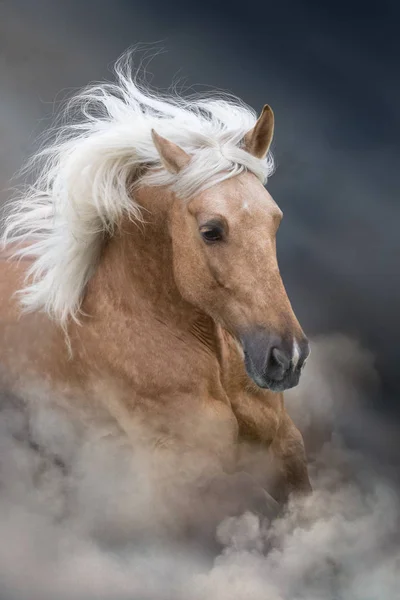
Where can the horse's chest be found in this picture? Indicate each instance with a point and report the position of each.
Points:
(185, 421)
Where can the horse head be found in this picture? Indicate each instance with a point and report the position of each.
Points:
(225, 263)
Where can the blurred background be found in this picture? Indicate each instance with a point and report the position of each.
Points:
(330, 72)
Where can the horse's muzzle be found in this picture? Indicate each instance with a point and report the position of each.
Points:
(272, 362)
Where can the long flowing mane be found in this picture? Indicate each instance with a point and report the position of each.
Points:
(86, 177)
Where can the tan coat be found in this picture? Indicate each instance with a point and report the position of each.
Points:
(158, 348)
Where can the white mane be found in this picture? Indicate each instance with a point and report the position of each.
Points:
(81, 190)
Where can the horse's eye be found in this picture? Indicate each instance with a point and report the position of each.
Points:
(212, 233)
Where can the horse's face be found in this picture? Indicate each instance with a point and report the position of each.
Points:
(225, 263)
(224, 259)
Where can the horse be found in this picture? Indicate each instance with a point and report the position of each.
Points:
(141, 288)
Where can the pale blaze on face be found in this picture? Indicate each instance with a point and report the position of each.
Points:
(224, 247)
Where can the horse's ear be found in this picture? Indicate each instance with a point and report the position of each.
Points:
(258, 140)
(172, 156)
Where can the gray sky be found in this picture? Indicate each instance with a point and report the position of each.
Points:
(329, 70)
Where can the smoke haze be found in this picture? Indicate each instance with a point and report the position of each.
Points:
(81, 517)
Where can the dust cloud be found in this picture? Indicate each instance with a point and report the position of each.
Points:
(82, 519)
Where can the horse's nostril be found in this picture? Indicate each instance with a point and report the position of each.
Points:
(280, 358)
(278, 363)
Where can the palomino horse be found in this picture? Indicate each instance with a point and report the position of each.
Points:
(150, 282)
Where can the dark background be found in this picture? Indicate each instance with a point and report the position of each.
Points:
(329, 70)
